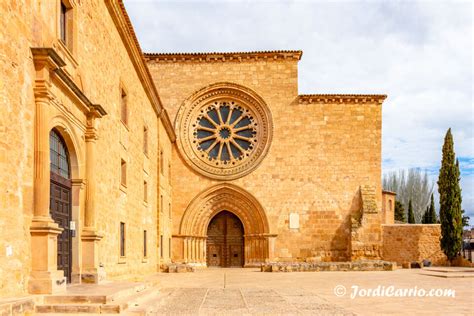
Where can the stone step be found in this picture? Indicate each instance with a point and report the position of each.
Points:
(101, 299)
(81, 308)
(75, 299)
(449, 275)
(450, 269)
(69, 314)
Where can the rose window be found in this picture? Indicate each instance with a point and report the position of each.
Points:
(225, 132)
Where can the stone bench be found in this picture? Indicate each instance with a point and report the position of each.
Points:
(369, 265)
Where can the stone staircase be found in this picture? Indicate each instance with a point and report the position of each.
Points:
(123, 298)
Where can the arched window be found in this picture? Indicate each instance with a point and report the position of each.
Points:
(59, 155)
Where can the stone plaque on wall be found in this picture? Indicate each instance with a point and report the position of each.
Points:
(294, 221)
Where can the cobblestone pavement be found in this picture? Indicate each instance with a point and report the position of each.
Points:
(242, 301)
(248, 292)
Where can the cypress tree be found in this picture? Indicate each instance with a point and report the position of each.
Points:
(450, 200)
(424, 219)
(411, 215)
(465, 219)
(399, 212)
(431, 218)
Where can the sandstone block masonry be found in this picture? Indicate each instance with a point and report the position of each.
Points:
(75, 68)
(405, 243)
(323, 149)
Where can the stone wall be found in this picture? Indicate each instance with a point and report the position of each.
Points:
(99, 62)
(404, 243)
(323, 150)
(165, 197)
(388, 207)
(366, 231)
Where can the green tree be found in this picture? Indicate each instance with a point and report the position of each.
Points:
(399, 212)
(450, 214)
(411, 215)
(465, 219)
(424, 219)
(431, 218)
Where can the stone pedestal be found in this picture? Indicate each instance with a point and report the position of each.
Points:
(91, 270)
(45, 277)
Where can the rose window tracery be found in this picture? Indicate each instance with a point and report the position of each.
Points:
(224, 131)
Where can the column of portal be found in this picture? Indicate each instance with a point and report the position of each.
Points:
(204, 250)
(259, 249)
(185, 249)
(248, 246)
(193, 249)
(190, 249)
(252, 250)
(201, 250)
(45, 278)
(90, 237)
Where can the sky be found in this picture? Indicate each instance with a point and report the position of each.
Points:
(419, 53)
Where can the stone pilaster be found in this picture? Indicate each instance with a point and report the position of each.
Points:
(45, 277)
(90, 237)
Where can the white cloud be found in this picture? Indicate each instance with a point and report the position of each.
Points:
(419, 53)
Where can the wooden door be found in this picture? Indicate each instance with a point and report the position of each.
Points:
(225, 241)
(60, 208)
(60, 199)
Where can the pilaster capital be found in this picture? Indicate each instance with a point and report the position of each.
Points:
(44, 225)
(90, 234)
(46, 60)
(78, 183)
(91, 134)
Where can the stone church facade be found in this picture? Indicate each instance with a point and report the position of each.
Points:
(114, 163)
(290, 166)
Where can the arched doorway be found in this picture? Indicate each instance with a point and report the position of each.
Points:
(60, 199)
(191, 243)
(225, 241)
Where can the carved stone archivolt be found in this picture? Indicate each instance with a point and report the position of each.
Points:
(258, 241)
(224, 131)
(224, 197)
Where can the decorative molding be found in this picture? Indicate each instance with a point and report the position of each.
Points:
(45, 53)
(221, 197)
(341, 98)
(96, 108)
(80, 183)
(165, 119)
(245, 99)
(48, 58)
(224, 57)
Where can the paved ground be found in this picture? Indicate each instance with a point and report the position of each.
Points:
(247, 291)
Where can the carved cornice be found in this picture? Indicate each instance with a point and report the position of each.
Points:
(224, 57)
(48, 59)
(125, 29)
(96, 108)
(49, 55)
(341, 98)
